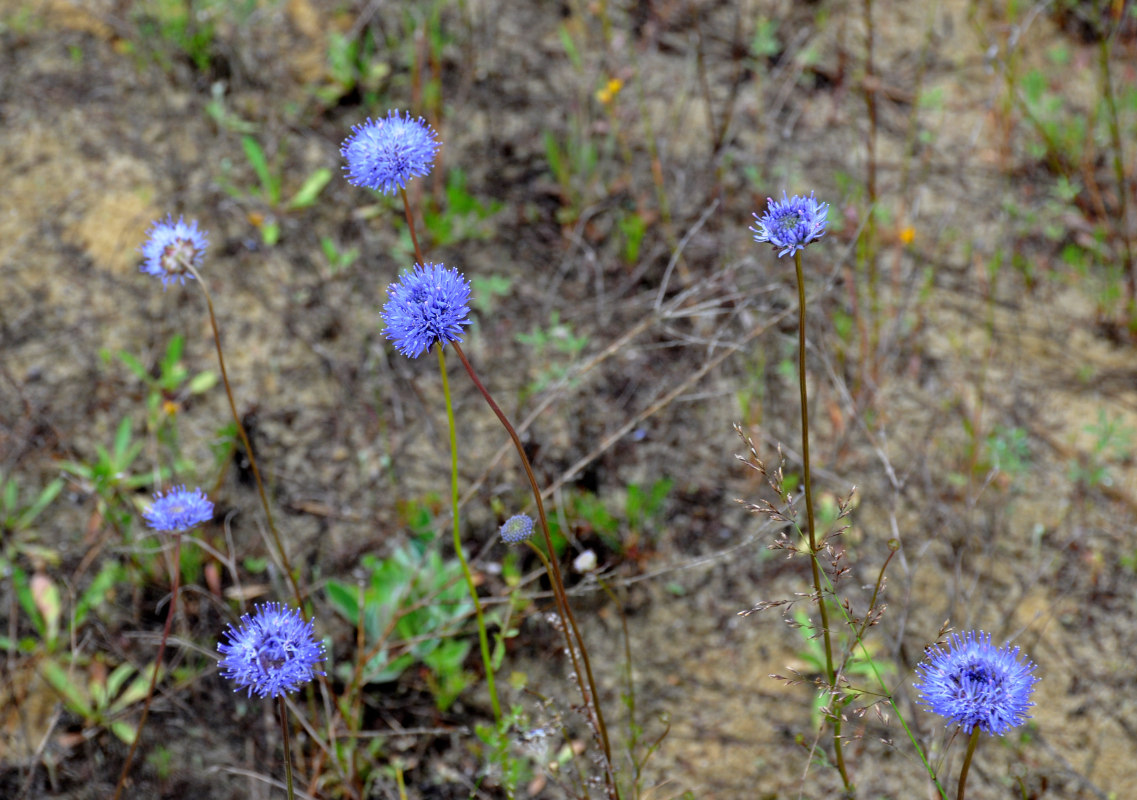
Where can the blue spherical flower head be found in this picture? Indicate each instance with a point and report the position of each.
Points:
(179, 510)
(428, 304)
(791, 224)
(384, 154)
(274, 652)
(517, 529)
(974, 683)
(171, 247)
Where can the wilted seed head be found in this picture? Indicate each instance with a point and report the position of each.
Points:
(179, 510)
(974, 683)
(384, 154)
(791, 224)
(272, 653)
(171, 248)
(517, 529)
(429, 304)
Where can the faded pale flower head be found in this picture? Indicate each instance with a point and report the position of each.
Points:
(179, 510)
(272, 653)
(517, 529)
(384, 154)
(791, 224)
(429, 304)
(171, 247)
(973, 683)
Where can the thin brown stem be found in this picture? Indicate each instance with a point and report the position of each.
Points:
(568, 642)
(176, 584)
(411, 226)
(249, 447)
(556, 578)
(1128, 267)
(807, 483)
(868, 238)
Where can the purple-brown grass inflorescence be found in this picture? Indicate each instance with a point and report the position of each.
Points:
(179, 510)
(791, 224)
(171, 248)
(429, 304)
(272, 653)
(384, 154)
(971, 682)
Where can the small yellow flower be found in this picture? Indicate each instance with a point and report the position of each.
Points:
(907, 234)
(610, 90)
(170, 407)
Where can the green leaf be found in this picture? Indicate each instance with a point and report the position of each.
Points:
(202, 382)
(123, 730)
(49, 493)
(45, 594)
(311, 189)
(553, 156)
(11, 495)
(27, 602)
(119, 675)
(138, 688)
(270, 233)
(122, 441)
(134, 365)
(256, 156)
(343, 599)
(391, 671)
(97, 592)
(174, 351)
(570, 47)
(58, 679)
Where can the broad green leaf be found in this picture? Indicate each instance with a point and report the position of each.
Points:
(343, 599)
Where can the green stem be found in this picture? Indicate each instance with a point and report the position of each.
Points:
(807, 483)
(483, 639)
(176, 583)
(287, 749)
(967, 763)
(586, 681)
